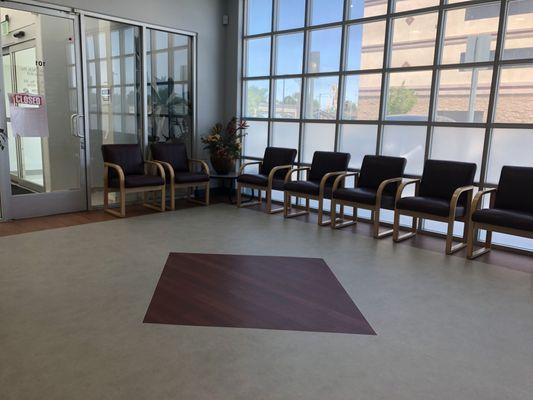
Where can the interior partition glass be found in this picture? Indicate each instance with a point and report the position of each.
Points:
(113, 54)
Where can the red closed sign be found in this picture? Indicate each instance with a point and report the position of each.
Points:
(28, 99)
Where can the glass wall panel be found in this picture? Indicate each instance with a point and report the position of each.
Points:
(322, 95)
(289, 54)
(458, 144)
(509, 147)
(256, 98)
(326, 11)
(406, 141)
(258, 57)
(285, 134)
(317, 137)
(366, 8)
(324, 50)
(470, 34)
(408, 96)
(361, 97)
(290, 14)
(256, 138)
(519, 30)
(406, 5)
(413, 40)
(287, 95)
(358, 140)
(515, 94)
(258, 16)
(364, 48)
(464, 94)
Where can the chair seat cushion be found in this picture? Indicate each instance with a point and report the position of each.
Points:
(260, 180)
(505, 218)
(428, 205)
(135, 181)
(364, 196)
(307, 187)
(191, 177)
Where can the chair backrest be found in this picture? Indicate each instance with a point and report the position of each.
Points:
(515, 190)
(325, 162)
(173, 153)
(275, 157)
(128, 156)
(376, 169)
(441, 178)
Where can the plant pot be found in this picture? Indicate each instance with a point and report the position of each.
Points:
(223, 166)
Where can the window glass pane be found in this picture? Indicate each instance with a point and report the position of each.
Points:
(256, 98)
(366, 8)
(413, 40)
(321, 97)
(289, 54)
(458, 144)
(519, 30)
(256, 138)
(291, 14)
(324, 50)
(515, 94)
(285, 134)
(408, 142)
(361, 97)
(259, 16)
(408, 96)
(509, 147)
(464, 94)
(317, 137)
(287, 94)
(405, 5)
(358, 140)
(470, 34)
(258, 57)
(364, 48)
(326, 11)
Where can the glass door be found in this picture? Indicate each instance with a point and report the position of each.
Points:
(43, 106)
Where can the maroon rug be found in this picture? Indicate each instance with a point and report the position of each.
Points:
(286, 293)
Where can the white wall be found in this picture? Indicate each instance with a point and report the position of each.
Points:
(201, 16)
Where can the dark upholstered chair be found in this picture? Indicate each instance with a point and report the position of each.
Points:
(375, 187)
(277, 161)
(326, 166)
(126, 171)
(443, 194)
(510, 210)
(179, 171)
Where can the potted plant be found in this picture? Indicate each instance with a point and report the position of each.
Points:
(225, 144)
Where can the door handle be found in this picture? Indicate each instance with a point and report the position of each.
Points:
(72, 130)
(77, 130)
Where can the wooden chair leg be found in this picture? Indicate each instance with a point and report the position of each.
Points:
(122, 202)
(207, 193)
(396, 228)
(286, 204)
(449, 237)
(239, 196)
(163, 198)
(334, 214)
(470, 241)
(172, 197)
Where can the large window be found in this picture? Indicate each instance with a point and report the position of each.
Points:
(413, 78)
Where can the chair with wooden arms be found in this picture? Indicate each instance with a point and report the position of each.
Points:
(376, 185)
(180, 172)
(126, 171)
(277, 161)
(510, 210)
(443, 194)
(318, 185)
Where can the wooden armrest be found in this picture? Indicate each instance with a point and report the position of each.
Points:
(402, 187)
(241, 170)
(118, 169)
(169, 169)
(289, 174)
(455, 198)
(340, 179)
(158, 166)
(383, 185)
(477, 199)
(273, 172)
(204, 165)
(326, 177)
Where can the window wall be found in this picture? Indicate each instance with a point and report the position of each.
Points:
(442, 79)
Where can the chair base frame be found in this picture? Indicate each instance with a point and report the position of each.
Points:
(341, 222)
(124, 191)
(190, 193)
(287, 206)
(487, 244)
(268, 196)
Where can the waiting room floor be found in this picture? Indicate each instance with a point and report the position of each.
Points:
(73, 299)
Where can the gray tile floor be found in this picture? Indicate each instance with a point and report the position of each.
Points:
(72, 303)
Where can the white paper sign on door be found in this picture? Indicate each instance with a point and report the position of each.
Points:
(28, 115)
